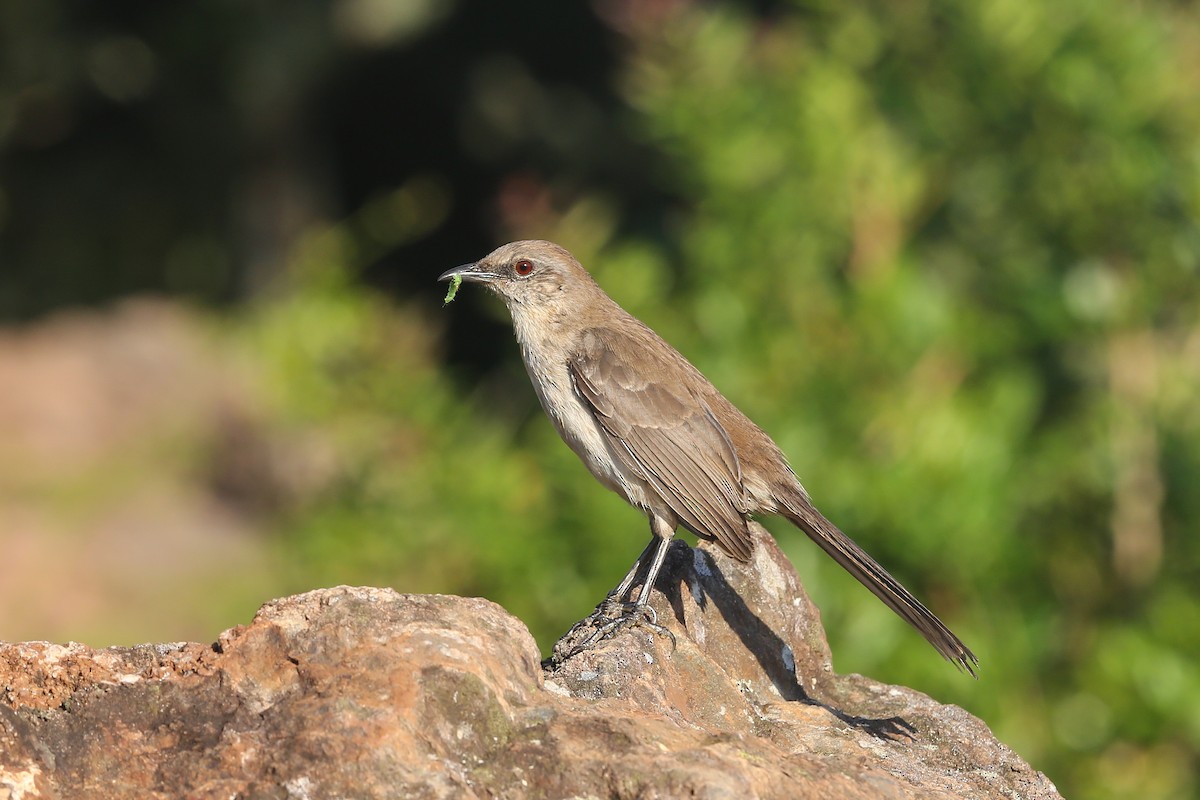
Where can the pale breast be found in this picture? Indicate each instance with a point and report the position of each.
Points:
(578, 428)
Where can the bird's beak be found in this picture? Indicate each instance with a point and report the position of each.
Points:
(469, 272)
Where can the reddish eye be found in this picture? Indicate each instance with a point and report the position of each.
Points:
(523, 267)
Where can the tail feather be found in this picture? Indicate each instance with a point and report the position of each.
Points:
(869, 573)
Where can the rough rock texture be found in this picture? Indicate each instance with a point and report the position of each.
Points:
(366, 693)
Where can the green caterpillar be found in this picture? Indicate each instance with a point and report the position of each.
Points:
(455, 282)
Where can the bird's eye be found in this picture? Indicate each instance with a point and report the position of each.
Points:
(523, 267)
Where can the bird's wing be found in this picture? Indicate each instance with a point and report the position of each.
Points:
(665, 433)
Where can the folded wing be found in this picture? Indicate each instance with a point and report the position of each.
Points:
(666, 435)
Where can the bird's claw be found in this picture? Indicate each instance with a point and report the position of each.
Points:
(633, 615)
(602, 625)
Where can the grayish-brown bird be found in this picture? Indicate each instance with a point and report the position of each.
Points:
(654, 430)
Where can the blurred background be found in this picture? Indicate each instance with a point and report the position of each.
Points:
(946, 251)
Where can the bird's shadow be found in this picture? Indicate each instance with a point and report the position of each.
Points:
(757, 636)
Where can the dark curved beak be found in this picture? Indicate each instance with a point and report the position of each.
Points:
(469, 272)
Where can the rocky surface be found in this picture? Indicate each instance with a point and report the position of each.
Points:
(367, 693)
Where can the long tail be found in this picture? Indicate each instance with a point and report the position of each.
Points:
(801, 513)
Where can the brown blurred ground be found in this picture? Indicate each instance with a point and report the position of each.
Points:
(111, 528)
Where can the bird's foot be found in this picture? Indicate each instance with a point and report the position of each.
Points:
(610, 618)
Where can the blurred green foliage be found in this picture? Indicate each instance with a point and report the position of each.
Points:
(947, 253)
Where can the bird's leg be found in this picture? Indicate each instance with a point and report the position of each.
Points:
(639, 612)
(663, 532)
(613, 606)
(620, 594)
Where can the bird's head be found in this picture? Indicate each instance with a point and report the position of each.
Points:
(529, 275)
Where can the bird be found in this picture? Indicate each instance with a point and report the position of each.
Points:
(651, 427)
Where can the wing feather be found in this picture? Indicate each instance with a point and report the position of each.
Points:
(667, 435)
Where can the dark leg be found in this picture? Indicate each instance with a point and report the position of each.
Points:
(622, 590)
(616, 611)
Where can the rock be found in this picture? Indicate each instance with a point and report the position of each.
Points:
(367, 693)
